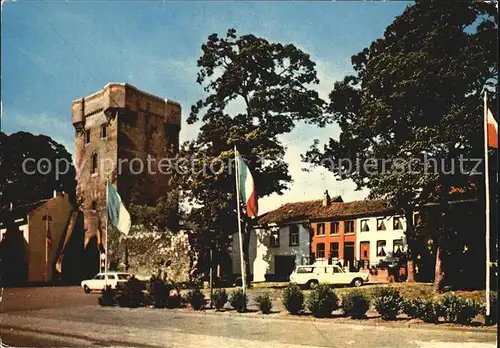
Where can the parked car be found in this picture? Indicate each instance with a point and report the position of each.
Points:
(312, 275)
(390, 260)
(99, 282)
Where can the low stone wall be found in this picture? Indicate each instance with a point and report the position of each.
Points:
(154, 252)
(381, 275)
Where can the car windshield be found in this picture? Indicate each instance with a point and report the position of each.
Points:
(123, 276)
(97, 276)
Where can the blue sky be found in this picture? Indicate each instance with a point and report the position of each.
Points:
(55, 52)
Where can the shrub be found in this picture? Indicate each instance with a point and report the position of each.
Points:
(429, 310)
(160, 291)
(322, 301)
(219, 298)
(264, 302)
(174, 301)
(411, 307)
(196, 299)
(459, 310)
(388, 303)
(108, 297)
(131, 294)
(355, 304)
(239, 300)
(293, 298)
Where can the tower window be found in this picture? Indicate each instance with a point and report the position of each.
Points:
(104, 131)
(87, 136)
(95, 161)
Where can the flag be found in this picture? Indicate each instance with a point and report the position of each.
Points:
(492, 130)
(247, 187)
(117, 213)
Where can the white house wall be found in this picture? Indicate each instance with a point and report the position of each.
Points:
(262, 254)
(372, 236)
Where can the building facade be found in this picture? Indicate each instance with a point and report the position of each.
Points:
(35, 232)
(275, 250)
(335, 239)
(327, 230)
(122, 135)
(379, 236)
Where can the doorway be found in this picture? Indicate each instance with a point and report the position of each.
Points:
(349, 253)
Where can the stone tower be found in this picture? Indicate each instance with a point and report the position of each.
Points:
(117, 129)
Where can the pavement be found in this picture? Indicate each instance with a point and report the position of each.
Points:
(75, 320)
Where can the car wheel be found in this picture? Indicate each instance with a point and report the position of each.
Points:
(86, 289)
(357, 282)
(312, 284)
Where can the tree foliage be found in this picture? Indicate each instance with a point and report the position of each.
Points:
(256, 91)
(416, 94)
(38, 179)
(161, 217)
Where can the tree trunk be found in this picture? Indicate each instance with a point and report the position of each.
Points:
(443, 235)
(410, 232)
(439, 271)
(246, 256)
(410, 269)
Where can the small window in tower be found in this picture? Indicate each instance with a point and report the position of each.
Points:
(95, 164)
(104, 131)
(87, 136)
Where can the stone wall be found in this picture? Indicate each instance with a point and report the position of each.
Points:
(151, 252)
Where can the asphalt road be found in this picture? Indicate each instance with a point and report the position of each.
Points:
(40, 317)
(34, 298)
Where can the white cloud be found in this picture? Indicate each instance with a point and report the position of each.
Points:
(62, 132)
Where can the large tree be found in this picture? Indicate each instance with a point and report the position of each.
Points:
(33, 166)
(416, 94)
(256, 91)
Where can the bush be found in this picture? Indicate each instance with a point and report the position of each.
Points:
(429, 310)
(459, 310)
(108, 297)
(411, 307)
(219, 298)
(131, 294)
(196, 299)
(322, 301)
(239, 300)
(293, 298)
(388, 303)
(174, 301)
(264, 302)
(160, 292)
(355, 304)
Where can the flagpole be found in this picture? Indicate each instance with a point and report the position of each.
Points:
(106, 241)
(242, 261)
(487, 191)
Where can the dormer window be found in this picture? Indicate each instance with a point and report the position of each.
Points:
(104, 131)
(87, 136)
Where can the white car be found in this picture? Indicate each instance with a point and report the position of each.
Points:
(312, 275)
(99, 282)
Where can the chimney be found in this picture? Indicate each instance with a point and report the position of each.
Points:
(326, 199)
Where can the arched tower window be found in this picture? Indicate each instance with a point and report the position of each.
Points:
(94, 163)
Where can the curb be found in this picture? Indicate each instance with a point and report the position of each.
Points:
(336, 321)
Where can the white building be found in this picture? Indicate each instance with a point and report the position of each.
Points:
(378, 236)
(275, 251)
